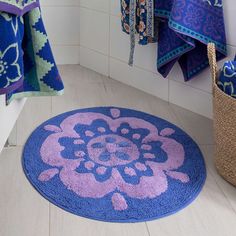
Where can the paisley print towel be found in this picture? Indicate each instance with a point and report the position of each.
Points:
(18, 7)
(27, 67)
(138, 17)
(185, 27)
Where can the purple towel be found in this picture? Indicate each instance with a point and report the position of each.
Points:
(18, 7)
(187, 27)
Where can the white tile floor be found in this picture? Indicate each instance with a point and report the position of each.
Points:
(23, 212)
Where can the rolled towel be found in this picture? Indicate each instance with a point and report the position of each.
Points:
(227, 78)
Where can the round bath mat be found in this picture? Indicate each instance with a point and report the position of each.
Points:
(114, 164)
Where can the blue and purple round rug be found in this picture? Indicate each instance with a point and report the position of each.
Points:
(114, 164)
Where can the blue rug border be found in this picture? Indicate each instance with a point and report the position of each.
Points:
(115, 221)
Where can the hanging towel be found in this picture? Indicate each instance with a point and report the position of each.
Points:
(27, 66)
(182, 29)
(18, 7)
(188, 26)
(227, 78)
(138, 18)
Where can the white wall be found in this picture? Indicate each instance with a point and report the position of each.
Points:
(89, 32)
(61, 18)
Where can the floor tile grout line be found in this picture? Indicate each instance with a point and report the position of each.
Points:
(51, 108)
(148, 231)
(227, 199)
(179, 122)
(49, 219)
(220, 188)
(105, 87)
(222, 191)
(218, 185)
(109, 47)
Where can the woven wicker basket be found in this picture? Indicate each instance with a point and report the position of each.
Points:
(224, 125)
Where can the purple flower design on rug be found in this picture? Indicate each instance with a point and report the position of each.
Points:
(117, 152)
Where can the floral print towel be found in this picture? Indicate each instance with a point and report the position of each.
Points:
(182, 28)
(27, 67)
(227, 78)
(138, 17)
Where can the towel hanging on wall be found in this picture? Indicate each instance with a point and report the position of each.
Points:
(138, 17)
(27, 66)
(185, 27)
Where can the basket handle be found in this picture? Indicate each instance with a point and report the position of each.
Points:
(212, 60)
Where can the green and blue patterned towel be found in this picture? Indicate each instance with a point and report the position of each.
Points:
(27, 66)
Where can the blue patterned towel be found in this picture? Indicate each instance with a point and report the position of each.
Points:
(182, 28)
(227, 78)
(188, 26)
(27, 66)
(18, 7)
